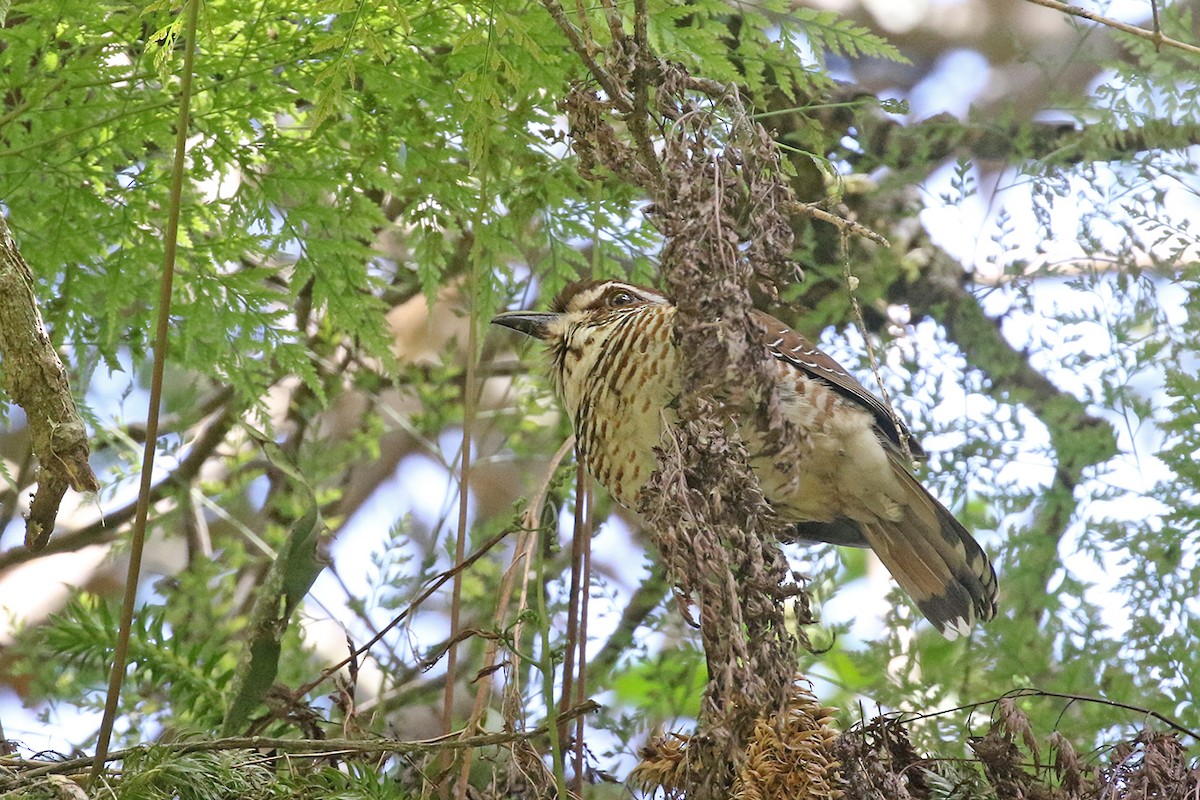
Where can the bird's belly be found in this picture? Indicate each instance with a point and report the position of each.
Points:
(620, 414)
(619, 436)
(804, 492)
(840, 470)
(622, 458)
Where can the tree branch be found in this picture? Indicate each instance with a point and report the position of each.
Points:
(612, 86)
(36, 380)
(314, 748)
(1155, 36)
(107, 528)
(887, 140)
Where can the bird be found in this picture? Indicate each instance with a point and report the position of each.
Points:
(616, 366)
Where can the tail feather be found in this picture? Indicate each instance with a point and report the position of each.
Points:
(929, 553)
(933, 558)
(925, 576)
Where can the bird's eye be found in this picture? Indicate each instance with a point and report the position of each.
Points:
(621, 298)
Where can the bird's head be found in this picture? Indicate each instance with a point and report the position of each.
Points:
(585, 304)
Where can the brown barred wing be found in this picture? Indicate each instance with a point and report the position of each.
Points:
(787, 345)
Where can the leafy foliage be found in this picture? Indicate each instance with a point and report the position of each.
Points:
(178, 678)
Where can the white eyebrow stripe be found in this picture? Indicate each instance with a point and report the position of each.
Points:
(636, 291)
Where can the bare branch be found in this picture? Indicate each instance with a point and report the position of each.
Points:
(887, 140)
(582, 49)
(1155, 36)
(289, 748)
(815, 211)
(107, 528)
(36, 380)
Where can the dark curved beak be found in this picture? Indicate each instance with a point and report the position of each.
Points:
(531, 323)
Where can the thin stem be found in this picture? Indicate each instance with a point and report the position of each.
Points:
(1157, 25)
(613, 15)
(289, 748)
(585, 27)
(470, 398)
(460, 543)
(437, 583)
(616, 94)
(577, 537)
(639, 120)
(547, 669)
(530, 517)
(585, 498)
(816, 212)
(860, 323)
(138, 541)
(1153, 36)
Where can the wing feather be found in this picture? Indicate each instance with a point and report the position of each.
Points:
(788, 345)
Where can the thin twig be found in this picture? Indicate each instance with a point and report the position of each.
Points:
(1157, 25)
(523, 556)
(469, 396)
(530, 517)
(613, 15)
(138, 538)
(585, 27)
(546, 664)
(616, 93)
(581, 683)
(816, 212)
(1153, 36)
(1032, 692)
(639, 119)
(572, 644)
(860, 323)
(1105, 701)
(314, 748)
(436, 584)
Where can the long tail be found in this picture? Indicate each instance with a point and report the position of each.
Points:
(933, 558)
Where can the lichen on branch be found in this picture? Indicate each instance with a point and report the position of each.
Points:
(36, 380)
